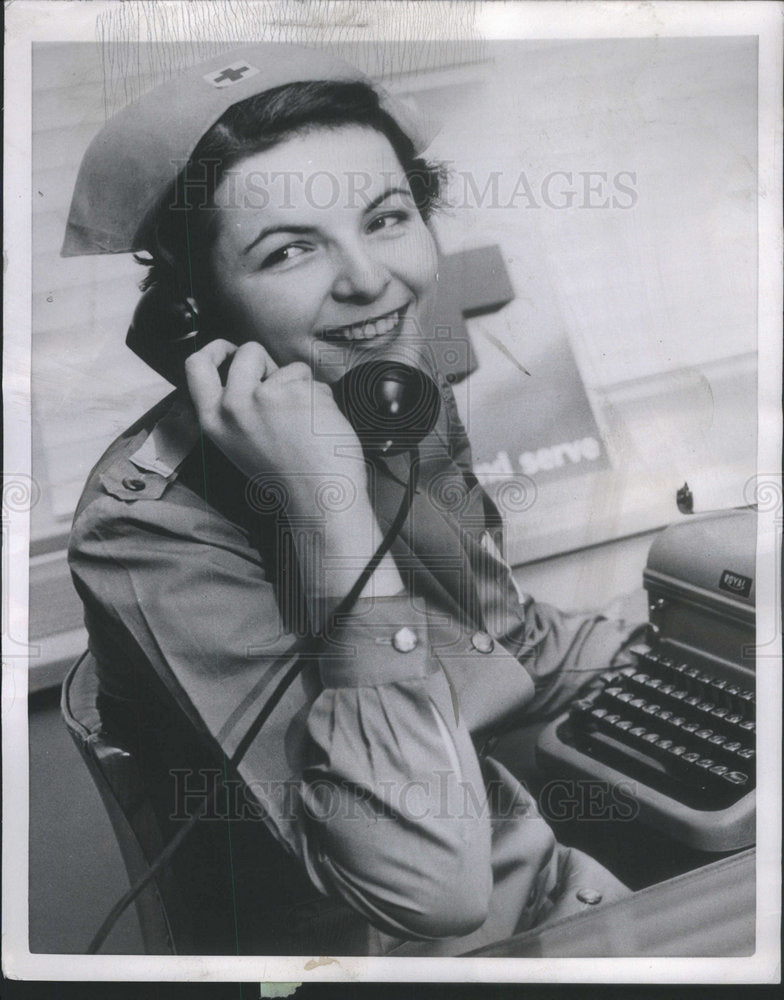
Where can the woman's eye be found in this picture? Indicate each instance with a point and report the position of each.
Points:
(283, 255)
(386, 221)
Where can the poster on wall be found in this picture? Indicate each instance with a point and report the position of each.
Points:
(533, 421)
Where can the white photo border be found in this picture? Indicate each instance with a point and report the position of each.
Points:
(30, 21)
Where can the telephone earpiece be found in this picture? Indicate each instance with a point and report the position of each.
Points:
(164, 331)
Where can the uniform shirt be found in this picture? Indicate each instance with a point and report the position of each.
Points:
(366, 771)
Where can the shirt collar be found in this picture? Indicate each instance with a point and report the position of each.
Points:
(170, 441)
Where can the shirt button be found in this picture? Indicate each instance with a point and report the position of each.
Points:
(134, 485)
(589, 896)
(404, 640)
(482, 642)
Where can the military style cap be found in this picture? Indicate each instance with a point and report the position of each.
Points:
(133, 160)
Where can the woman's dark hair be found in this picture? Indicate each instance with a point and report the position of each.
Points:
(175, 239)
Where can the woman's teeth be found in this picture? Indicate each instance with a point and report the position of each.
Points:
(366, 331)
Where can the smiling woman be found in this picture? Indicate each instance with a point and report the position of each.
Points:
(233, 519)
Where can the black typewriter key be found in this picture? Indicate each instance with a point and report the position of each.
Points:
(624, 697)
(720, 713)
(732, 753)
(749, 726)
(637, 732)
(664, 745)
(611, 720)
(677, 721)
(637, 682)
(719, 770)
(593, 719)
(737, 778)
(580, 709)
(692, 701)
(638, 704)
(706, 706)
(627, 672)
(654, 683)
(664, 714)
(705, 763)
(718, 690)
(651, 738)
(732, 691)
(584, 704)
(703, 734)
(732, 722)
(690, 758)
(613, 692)
(679, 695)
(624, 725)
(655, 748)
(747, 755)
(666, 690)
(651, 709)
(689, 727)
(717, 740)
(674, 758)
(746, 699)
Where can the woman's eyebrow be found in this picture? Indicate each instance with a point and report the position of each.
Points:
(387, 194)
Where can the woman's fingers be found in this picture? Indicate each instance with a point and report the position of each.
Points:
(203, 375)
(249, 366)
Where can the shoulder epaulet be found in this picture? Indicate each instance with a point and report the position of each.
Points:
(148, 470)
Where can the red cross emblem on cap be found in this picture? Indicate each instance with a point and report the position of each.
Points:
(227, 76)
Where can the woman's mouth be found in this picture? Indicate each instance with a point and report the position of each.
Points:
(369, 329)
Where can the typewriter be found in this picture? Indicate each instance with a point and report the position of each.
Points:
(677, 726)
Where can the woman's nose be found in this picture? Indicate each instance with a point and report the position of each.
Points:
(360, 277)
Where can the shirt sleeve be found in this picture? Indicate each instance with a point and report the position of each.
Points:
(365, 769)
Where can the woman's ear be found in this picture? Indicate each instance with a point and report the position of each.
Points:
(165, 330)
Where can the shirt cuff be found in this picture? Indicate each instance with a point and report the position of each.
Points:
(382, 640)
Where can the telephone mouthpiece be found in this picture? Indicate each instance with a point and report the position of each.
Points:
(390, 405)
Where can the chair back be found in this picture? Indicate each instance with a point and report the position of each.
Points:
(122, 788)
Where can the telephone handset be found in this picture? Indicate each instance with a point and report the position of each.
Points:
(390, 404)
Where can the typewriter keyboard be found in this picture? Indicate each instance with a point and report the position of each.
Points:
(671, 725)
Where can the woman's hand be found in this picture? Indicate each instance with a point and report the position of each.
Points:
(279, 422)
(283, 425)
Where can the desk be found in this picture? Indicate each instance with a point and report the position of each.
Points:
(705, 913)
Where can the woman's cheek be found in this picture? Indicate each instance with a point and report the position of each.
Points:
(422, 258)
